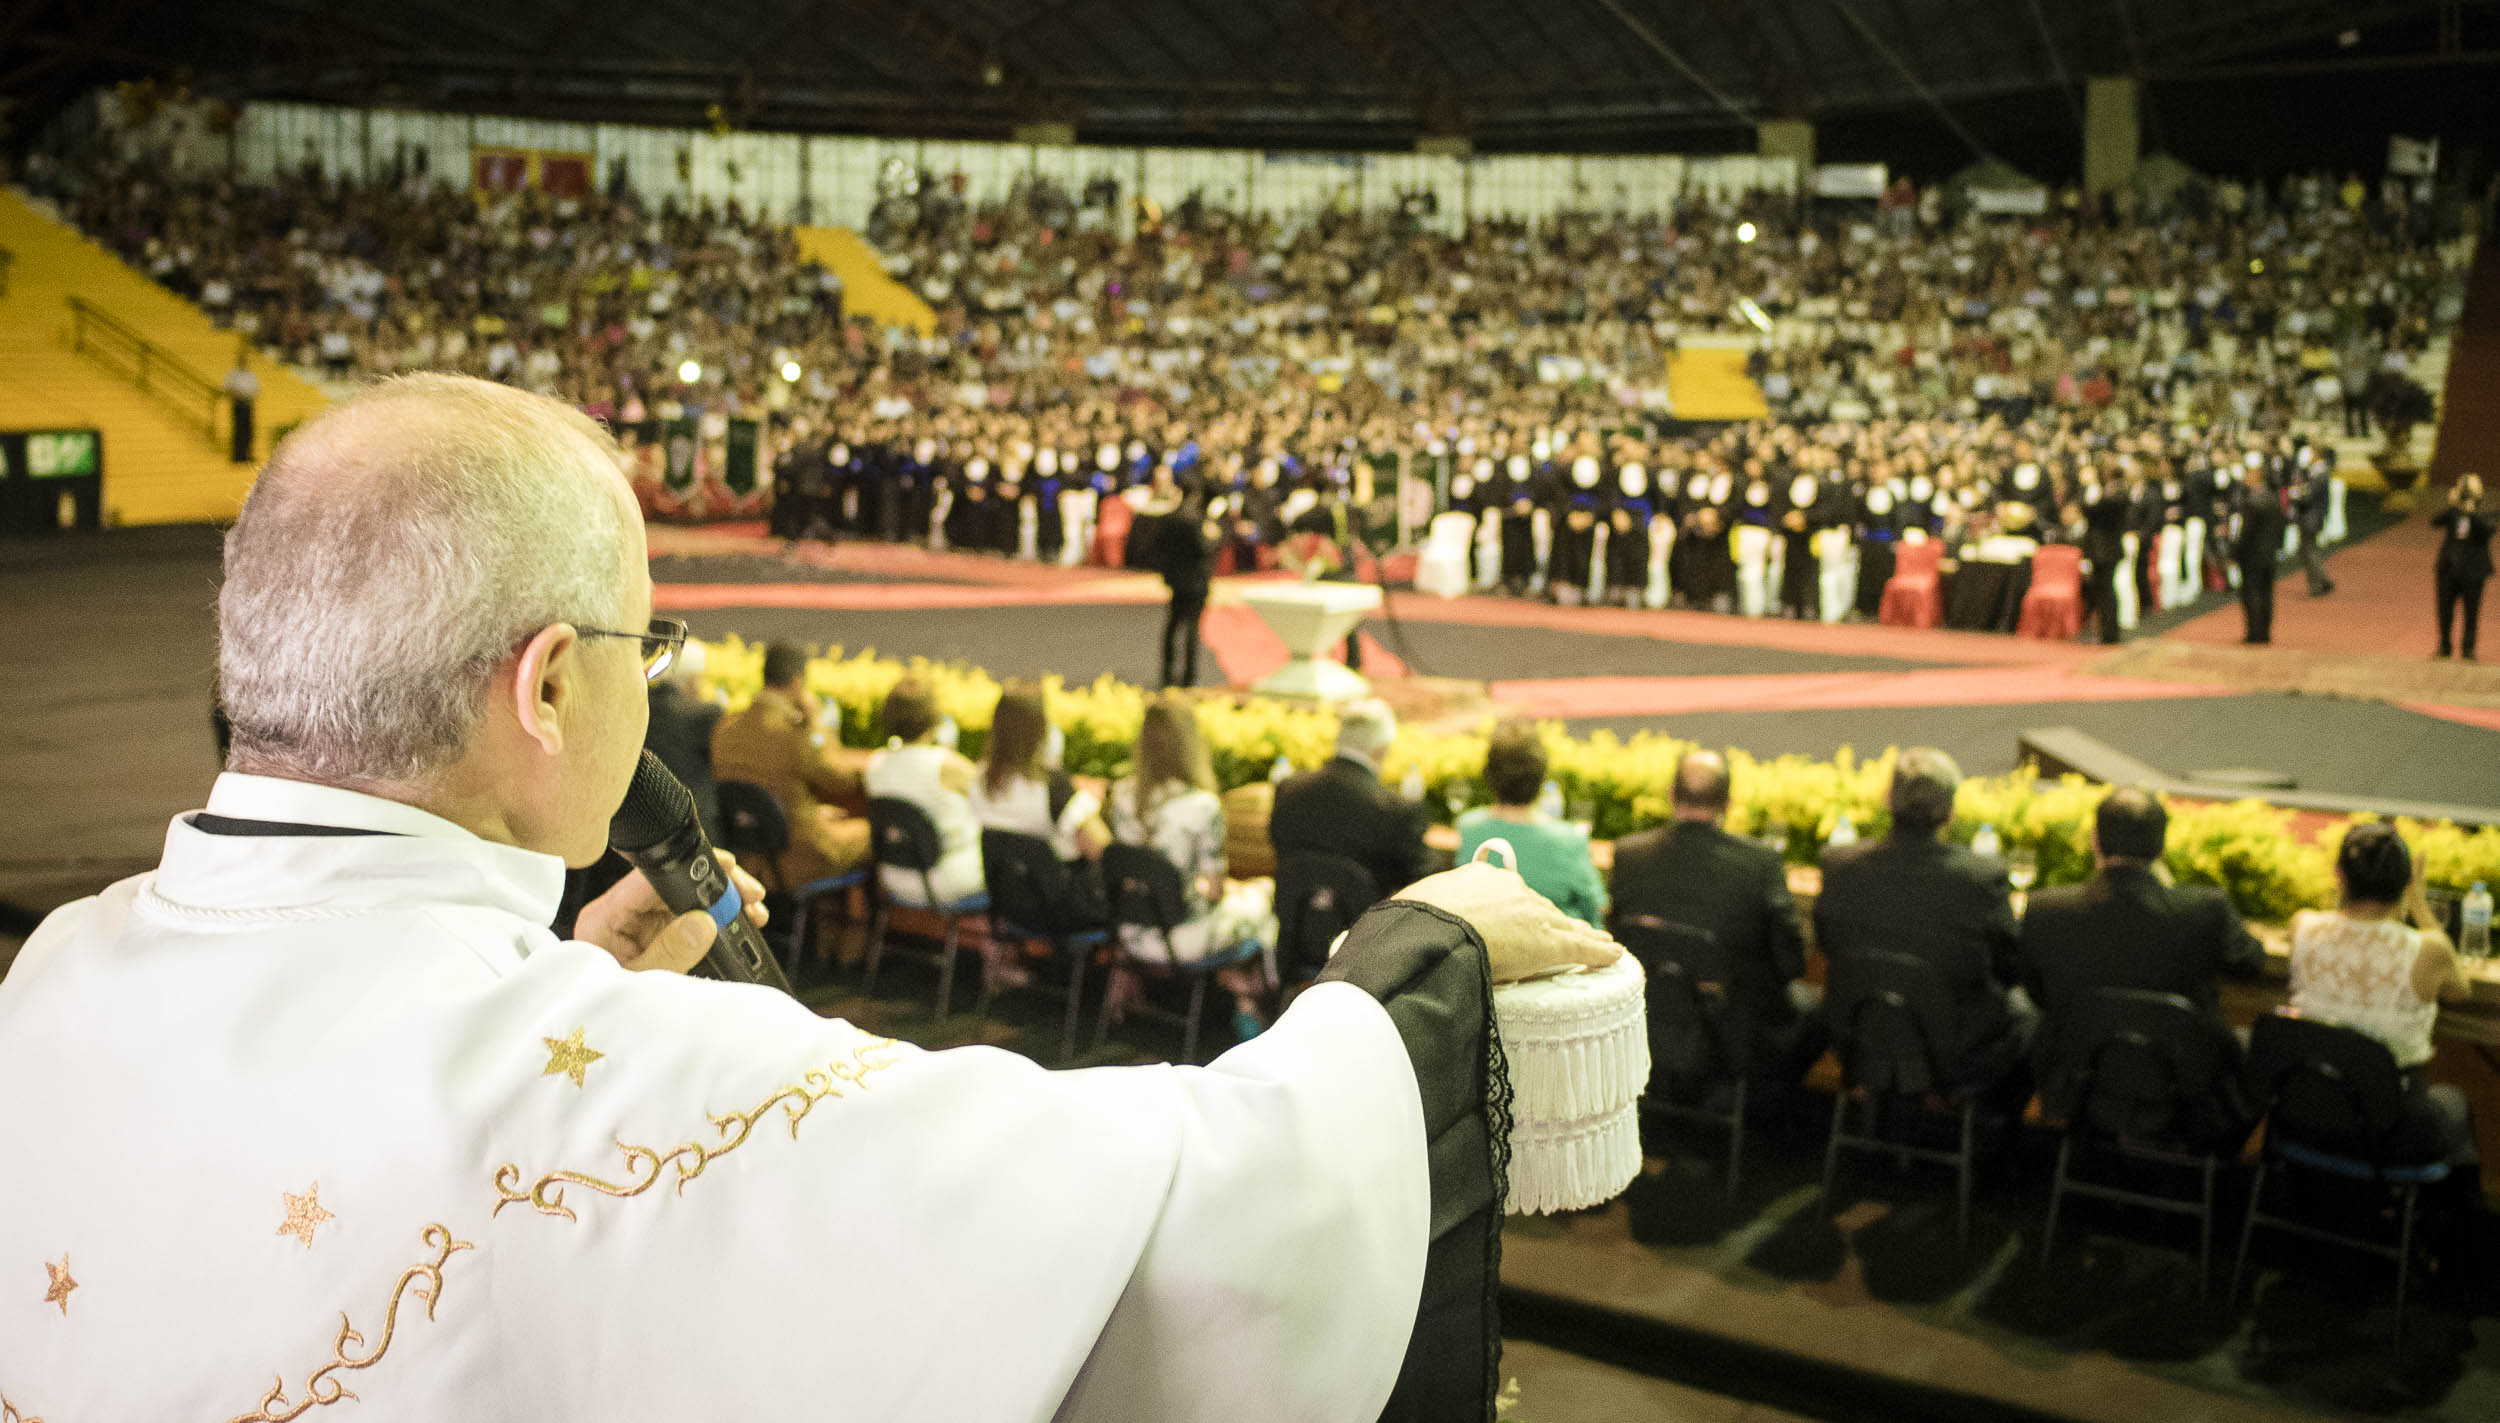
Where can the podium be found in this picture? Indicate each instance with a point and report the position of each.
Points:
(1310, 618)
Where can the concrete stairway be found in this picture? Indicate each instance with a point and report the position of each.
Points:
(160, 465)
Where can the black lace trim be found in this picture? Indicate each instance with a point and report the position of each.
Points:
(1497, 1124)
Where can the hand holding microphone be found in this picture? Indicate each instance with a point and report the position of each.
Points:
(689, 908)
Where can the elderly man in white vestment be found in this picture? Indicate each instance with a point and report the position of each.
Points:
(321, 1119)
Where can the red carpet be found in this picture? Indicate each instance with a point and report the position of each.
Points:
(2381, 604)
(1961, 686)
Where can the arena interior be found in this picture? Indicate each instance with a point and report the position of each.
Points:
(2101, 394)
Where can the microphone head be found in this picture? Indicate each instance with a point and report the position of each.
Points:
(657, 806)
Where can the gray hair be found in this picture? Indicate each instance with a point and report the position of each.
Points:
(1366, 727)
(1924, 782)
(392, 554)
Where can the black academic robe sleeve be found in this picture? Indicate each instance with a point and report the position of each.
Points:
(1428, 969)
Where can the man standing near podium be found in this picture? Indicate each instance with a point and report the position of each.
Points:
(2256, 544)
(321, 1109)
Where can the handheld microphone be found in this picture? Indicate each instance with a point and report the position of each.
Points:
(657, 832)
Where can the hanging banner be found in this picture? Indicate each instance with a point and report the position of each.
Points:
(511, 170)
(738, 462)
(678, 441)
(1850, 180)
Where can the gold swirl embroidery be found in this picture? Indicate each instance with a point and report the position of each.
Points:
(9, 1413)
(320, 1388)
(643, 1164)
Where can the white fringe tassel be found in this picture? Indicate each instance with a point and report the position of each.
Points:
(1593, 1071)
(1572, 1167)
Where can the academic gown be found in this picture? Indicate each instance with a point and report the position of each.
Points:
(1799, 569)
(333, 1113)
(1519, 499)
(1576, 512)
(1628, 542)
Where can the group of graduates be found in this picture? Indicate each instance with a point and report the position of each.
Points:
(1764, 519)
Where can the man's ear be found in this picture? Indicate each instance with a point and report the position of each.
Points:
(543, 682)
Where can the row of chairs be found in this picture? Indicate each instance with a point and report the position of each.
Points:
(1028, 896)
(2132, 1074)
(2052, 607)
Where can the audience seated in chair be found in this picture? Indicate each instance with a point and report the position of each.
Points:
(2129, 927)
(1695, 873)
(1342, 808)
(775, 744)
(1915, 895)
(1168, 804)
(920, 764)
(1021, 788)
(2360, 965)
(1552, 858)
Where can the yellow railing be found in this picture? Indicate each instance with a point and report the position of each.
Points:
(104, 339)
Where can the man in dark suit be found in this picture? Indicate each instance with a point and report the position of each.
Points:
(1694, 873)
(2259, 515)
(2106, 510)
(2464, 562)
(2127, 928)
(1342, 808)
(1913, 894)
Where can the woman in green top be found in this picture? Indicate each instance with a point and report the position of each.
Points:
(1552, 857)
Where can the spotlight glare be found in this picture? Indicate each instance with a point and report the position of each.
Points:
(1746, 232)
(790, 371)
(690, 371)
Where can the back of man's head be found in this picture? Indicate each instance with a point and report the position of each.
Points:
(392, 554)
(1701, 787)
(785, 665)
(1924, 781)
(2131, 825)
(1366, 729)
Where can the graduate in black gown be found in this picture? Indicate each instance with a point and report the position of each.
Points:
(1517, 494)
(1879, 536)
(1579, 506)
(1628, 538)
(1708, 559)
(1803, 514)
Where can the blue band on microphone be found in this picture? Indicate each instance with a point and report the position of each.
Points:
(726, 907)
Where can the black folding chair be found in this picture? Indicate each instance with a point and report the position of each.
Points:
(752, 823)
(1033, 896)
(1147, 893)
(1888, 1012)
(2142, 1074)
(2335, 1104)
(901, 836)
(1318, 897)
(1695, 1044)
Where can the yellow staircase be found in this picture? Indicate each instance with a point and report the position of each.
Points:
(866, 289)
(160, 467)
(1709, 383)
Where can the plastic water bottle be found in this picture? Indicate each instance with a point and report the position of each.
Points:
(1282, 769)
(2475, 941)
(1549, 801)
(1413, 786)
(1845, 833)
(1985, 842)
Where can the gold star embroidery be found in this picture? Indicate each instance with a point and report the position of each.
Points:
(304, 1215)
(570, 1056)
(62, 1284)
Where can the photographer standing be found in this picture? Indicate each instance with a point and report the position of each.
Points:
(2258, 514)
(2464, 560)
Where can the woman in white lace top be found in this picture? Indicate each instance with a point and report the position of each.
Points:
(1168, 804)
(2362, 966)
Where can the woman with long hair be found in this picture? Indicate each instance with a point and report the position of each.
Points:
(2362, 965)
(1168, 804)
(1023, 789)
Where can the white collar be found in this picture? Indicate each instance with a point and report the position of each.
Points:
(415, 860)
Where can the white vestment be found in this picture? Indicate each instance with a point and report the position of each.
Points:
(298, 1115)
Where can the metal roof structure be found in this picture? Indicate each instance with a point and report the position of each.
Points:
(1375, 73)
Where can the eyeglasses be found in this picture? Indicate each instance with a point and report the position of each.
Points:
(659, 646)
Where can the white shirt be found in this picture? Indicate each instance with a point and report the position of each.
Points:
(283, 1087)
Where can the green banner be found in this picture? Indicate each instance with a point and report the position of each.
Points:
(739, 468)
(679, 441)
